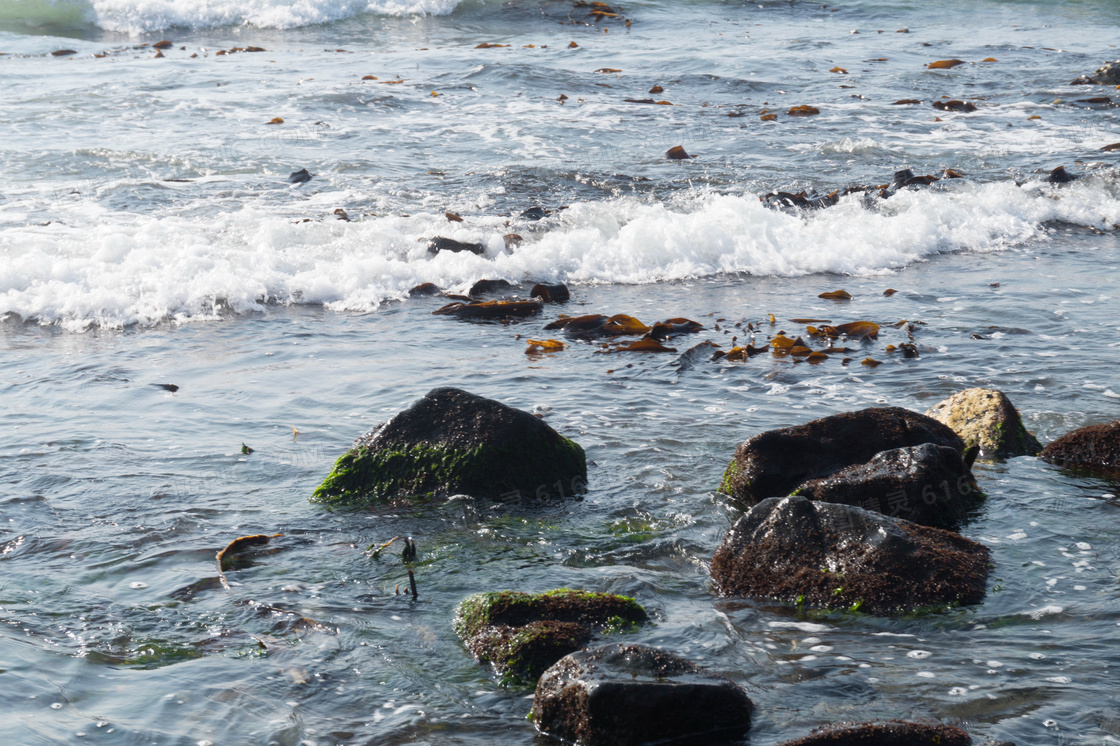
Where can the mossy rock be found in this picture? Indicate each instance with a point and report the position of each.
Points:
(522, 654)
(986, 418)
(522, 634)
(452, 441)
(833, 556)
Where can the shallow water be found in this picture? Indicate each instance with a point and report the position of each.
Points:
(118, 493)
(293, 338)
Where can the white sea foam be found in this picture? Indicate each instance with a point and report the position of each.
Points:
(141, 16)
(118, 269)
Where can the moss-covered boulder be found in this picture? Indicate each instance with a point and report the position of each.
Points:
(774, 463)
(926, 484)
(452, 441)
(986, 418)
(1095, 449)
(625, 695)
(522, 634)
(891, 733)
(832, 556)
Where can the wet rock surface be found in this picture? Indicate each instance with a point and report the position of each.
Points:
(775, 462)
(834, 556)
(424, 289)
(1095, 448)
(635, 694)
(893, 733)
(483, 287)
(926, 484)
(550, 293)
(986, 418)
(439, 243)
(1106, 74)
(522, 634)
(454, 441)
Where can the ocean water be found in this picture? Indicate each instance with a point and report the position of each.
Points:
(149, 235)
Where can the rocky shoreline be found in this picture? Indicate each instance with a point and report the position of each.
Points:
(855, 512)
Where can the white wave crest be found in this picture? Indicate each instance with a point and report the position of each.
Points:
(124, 270)
(144, 16)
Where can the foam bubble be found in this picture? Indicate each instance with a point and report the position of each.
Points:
(919, 654)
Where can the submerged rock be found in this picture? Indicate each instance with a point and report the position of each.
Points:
(1095, 448)
(835, 556)
(893, 733)
(986, 418)
(1106, 74)
(522, 634)
(483, 287)
(453, 441)
(300, 177)
(624, 695)
(1060, 176)
(535, 213)
(775, 462)
(926, 484)
(424, 289)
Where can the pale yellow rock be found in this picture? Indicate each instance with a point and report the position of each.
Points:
(987, 418)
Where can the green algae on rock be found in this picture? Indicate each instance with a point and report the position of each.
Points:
(986, 418)
(522, 634)
(454, 441)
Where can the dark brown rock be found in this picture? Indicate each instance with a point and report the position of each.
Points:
(926, 484)
(624, 695)
(1060, 176)
(439, 243)
(893, 733)
(550, 293)
(775, 462)
(483, 287)
(423, 289)
(1095, 448)
(827, 555)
